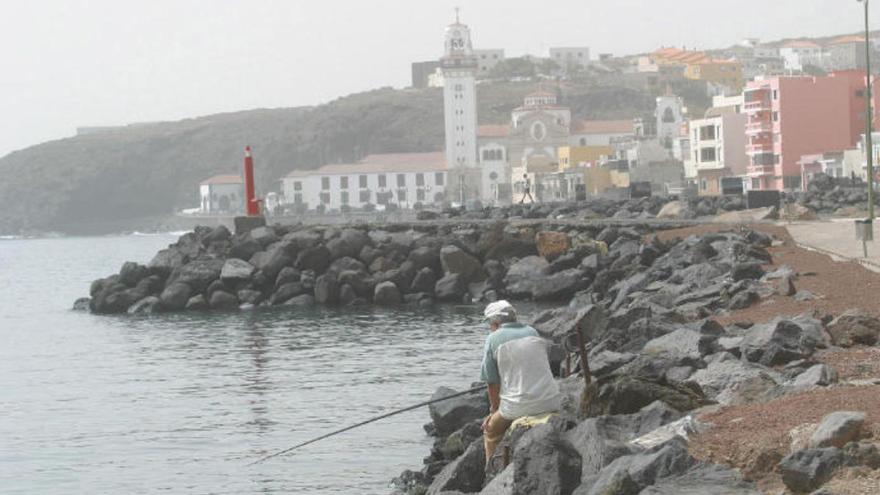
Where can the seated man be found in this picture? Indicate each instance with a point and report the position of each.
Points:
(517, 373)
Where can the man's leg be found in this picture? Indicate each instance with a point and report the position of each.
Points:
(495, 430)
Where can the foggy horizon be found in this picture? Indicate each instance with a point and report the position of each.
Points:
(73, 64)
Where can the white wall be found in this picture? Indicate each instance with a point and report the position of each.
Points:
(312, 189)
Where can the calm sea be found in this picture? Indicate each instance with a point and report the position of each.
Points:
(181, 403)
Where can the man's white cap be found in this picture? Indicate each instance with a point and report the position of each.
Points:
(498, 308)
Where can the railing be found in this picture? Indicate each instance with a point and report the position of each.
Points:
(758, 127)
(757, 105)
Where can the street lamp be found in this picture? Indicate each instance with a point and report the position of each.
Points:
(869, 120)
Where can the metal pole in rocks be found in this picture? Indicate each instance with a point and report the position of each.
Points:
(582, 348)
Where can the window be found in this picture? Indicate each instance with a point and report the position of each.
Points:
(702, 184)
(707, 154)
(343, 183)
(775, 94)
(382, 198)
(401, 180)
(668, 116)
(756, 183)
(583, 141)
(325, 183)
(860, 93)
(365, 196)
(420, 194)
(401, 195)
(362, 181)
(438, 178)
(382, 180)
(343, 197)
(297, 186)
(420, 179)
(707, 133)
(485, 155)
(325, 198)
(775, 116)
(298, 198)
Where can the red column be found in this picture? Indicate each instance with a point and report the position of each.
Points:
(252, 204)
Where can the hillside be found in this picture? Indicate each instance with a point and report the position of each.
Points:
(153, 170)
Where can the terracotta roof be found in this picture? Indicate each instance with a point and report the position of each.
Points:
(800, 44)
(493, 130)
(602, 127)
(540, 92)
(223, 179)
(666, 52)
(848, 39)
(382, 163)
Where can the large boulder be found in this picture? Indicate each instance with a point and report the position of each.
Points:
(327, 289)
(219, 234)
(316, 258)
(672, 209)
(424, 281)
(552, 245)
(455, 260)
(638, 471)
(131, 273)
(235, 270)
(198, 274)
(783, 340)
(627, 394)
(223, 300)
(386, 294)
(451, 287)
(684, 346)
(146, 306)
(806, 470)
(557, 286)
(723, 380)
(603, 439)
(167, 260)
(263, 235)
(703, 479)
(450, 415)
(425, 257)
(746, 271)
(465, 474)
(522, 274)
(349, 243)
(837, 429)
(819, 375)
(544, 461)
(175, 296)
(855, 327)
(286, 292)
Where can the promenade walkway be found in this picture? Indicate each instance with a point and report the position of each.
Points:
(836, 237)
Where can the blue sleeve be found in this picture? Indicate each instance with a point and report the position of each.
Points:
(489, 369)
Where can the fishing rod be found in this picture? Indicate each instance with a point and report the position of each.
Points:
(371, 420)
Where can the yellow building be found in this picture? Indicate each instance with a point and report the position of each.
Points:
(724, 72)
(574, 156)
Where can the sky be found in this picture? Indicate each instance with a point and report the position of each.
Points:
(70, 63)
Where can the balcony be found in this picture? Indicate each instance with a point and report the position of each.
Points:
(764, 146)
(756, 170)
(757, 105)
(759, 127)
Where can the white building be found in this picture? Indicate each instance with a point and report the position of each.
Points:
(403, 179)
(718, 145)
(570, 56)
(221, 194)
(459, 66)
(487, 59)
(670, 113)
(797, 54)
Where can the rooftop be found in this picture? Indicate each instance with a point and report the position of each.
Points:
(847, 39)
(602, 127)
(801, 44)
(223, 179)
(382, 163)
(493, 130)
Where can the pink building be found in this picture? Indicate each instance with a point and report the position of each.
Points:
(789, 117)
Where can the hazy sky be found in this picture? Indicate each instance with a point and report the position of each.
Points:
(70, 63)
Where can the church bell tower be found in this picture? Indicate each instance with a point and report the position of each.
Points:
(459, 66)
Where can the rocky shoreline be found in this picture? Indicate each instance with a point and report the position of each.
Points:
(659, 364)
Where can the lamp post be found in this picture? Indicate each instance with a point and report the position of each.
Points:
(868, 117)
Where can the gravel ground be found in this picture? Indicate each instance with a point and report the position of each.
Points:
(754, 437)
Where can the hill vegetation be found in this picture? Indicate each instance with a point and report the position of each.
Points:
(154, 170)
